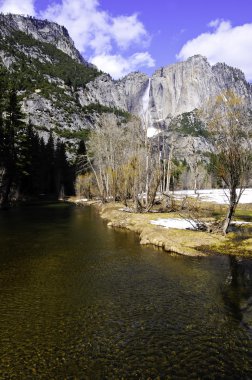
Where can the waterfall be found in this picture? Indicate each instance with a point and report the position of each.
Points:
(146, 97)
(145, 114)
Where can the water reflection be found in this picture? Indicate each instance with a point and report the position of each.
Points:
(79, 300)
(237, 292)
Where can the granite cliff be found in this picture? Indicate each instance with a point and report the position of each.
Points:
(61, 91)
(41, 30)
(172, 90)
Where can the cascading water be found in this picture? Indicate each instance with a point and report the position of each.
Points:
(145, 115)
(146, 96)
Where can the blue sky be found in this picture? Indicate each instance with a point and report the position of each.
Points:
(123, 36)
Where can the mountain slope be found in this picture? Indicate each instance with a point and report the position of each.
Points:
(60, 91)
(41, 30)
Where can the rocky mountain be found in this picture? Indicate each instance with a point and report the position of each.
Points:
(188, 85)
(60, 91)
(40, 30)
(171, 91)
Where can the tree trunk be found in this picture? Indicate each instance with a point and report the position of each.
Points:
(231, 210)
(169, 168)
(6, 192)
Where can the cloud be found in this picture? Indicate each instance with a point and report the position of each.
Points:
(119, 66)
(232, 45)
(98, 35)
(25, 7)
(101, 36)
(127, 30)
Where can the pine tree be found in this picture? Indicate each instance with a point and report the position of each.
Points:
(81, 163)
(42, 167)
(50, 165)
(12, 146)
(60, 168)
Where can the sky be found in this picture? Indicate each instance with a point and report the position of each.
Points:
(143, 35)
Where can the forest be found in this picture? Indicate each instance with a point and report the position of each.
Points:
(118, 161)
(30, 166)
(125, 164)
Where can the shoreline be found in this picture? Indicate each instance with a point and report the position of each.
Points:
(183, 242)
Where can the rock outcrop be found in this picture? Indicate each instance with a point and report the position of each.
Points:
(125, 94)
(61, 86)
(43, 31)
(185, 86)
(174, 89)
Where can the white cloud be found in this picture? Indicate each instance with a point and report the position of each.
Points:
(99, 35)
(119, 66)
(232, 45)
(96, 33)
(25, 7)
(127, 30)
(85, 23)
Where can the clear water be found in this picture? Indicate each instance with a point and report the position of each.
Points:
(81, 301)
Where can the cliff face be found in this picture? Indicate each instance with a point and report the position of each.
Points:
(58, 87)
(125, 94)
(173, 90)
(188, 85)
(43, 31)
(47, 70)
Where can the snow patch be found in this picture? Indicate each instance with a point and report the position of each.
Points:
(184, 224)
(181, 224)
(151, 131)
(219, 196)
(80, 200)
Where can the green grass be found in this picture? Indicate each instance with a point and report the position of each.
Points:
(244, 214)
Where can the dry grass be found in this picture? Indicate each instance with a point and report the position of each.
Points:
(186, 242)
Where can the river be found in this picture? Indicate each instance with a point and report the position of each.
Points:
(81, 301)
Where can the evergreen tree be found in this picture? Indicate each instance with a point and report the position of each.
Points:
(28, 166)
(50, 165)
(81, 163)
(3, 95)
(42, 167)
(60, 168)
(29, 178)
(12, 146)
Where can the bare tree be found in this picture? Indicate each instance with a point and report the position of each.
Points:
(230, 133)
(123, 161)
(104, 154)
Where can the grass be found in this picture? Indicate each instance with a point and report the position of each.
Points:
(238, 242)
(244, 212)
(185, 242)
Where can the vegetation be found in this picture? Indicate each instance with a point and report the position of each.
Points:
(118, 160)
(32, 70)
(132, 168)
(186, 242)
(81, 134)
(100, 109)
(229, 129)
(28, 165)
(189, 124)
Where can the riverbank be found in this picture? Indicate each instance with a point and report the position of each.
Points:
(180, 241)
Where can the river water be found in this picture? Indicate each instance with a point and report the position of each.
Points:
(81, 301)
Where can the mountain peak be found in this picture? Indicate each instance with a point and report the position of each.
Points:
(43, 31)
(197, 57)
